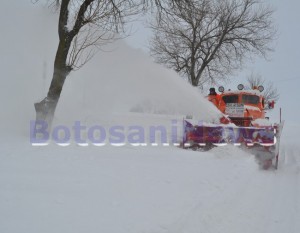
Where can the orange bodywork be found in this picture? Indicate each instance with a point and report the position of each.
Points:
(251, 104)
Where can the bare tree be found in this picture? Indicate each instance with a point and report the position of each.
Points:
(270, 92)
(207, 39)
(83, 26)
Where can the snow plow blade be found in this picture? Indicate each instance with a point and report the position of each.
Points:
(260, 141)
(223, 134)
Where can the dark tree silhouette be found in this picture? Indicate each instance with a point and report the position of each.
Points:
(206, 40)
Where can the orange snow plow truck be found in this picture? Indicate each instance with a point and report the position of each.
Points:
(243, 107)
(244, 124)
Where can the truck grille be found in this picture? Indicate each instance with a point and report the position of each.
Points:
(240, 121)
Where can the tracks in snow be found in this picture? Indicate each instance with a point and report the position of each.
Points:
(257, 201)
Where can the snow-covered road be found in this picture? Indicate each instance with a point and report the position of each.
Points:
(256, 201)
(145, 189)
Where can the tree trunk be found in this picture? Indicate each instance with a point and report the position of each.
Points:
(45, 109)
(200, 73)
(194, 82)
(193, 79)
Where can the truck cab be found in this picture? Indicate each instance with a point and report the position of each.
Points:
(243, 107)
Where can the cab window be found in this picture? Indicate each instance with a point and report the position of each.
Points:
(228, 99)
(250, 99)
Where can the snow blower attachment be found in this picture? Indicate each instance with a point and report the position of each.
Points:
(243, 124)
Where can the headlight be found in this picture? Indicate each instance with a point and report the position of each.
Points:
(261, 88)
(240, 87)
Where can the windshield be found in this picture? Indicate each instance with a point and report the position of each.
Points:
(250, 99)
(228, 99)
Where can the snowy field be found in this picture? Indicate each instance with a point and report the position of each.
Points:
(127, 189)
(145, 189)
